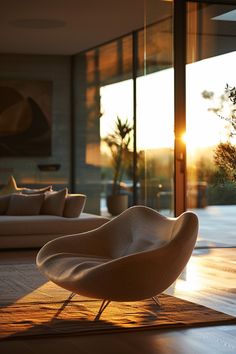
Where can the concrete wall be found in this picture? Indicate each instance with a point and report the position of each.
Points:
(57, 70)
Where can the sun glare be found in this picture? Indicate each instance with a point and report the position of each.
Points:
(184, 138)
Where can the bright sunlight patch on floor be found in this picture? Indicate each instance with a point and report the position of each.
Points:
(189, 279)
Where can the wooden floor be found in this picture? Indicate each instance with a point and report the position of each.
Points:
(209, 279)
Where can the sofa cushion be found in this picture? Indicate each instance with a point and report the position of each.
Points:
(54, 203)
(4, 201)
(20, 204)
(74, 205)
(38, 225)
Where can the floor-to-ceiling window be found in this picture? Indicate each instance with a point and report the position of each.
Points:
(103, 92)
(210, 138)
(129, 79)
(155, 109)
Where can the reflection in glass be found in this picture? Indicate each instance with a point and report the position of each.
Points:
(211, 61)
(155, 110)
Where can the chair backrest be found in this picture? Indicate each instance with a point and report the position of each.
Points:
(153, 250)
(147, 229)
(172, 258)
(141, 228)
(159, 263)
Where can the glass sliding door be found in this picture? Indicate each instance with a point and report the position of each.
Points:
(211, 132)
(155, 110)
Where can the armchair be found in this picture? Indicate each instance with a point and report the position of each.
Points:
(135, 256)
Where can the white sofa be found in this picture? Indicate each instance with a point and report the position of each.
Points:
(34, 231)
(29, 218)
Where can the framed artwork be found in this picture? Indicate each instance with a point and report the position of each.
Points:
(25, 118)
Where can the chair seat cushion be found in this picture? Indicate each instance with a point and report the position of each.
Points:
(67, 268)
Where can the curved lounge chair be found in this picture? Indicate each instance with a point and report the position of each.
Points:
(135, 256)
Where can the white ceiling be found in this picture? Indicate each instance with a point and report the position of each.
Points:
(82, 24)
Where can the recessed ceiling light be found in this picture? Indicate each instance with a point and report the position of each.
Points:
(38, 23)
(228, 16)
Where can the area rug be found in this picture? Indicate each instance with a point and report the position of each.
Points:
(32, 307)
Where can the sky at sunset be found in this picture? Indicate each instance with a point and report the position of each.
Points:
(155, 112)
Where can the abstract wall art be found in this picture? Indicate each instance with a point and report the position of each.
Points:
(25, 118)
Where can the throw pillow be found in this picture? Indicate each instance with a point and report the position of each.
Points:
(10, 188)
(54, 203)
(21, 204)
(74, 205)
(4, 200)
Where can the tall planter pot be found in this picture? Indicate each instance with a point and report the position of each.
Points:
(116, 204)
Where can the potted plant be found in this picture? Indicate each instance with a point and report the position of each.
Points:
(118, 143)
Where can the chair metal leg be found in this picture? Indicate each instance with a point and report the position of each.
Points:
(71, 296)
(104, 304)
(156, 300)
(64, 304)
